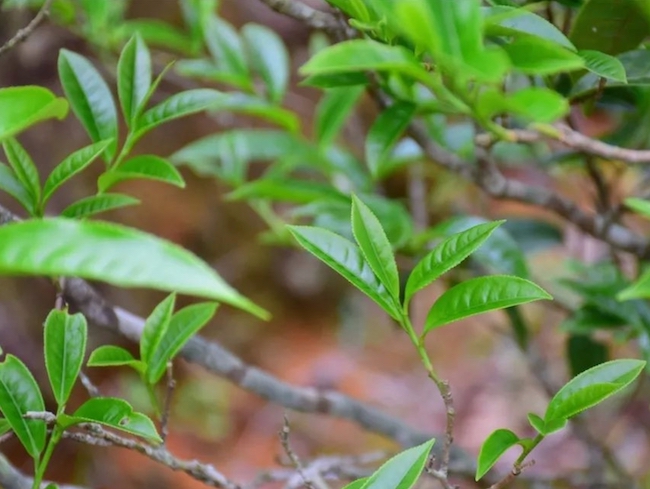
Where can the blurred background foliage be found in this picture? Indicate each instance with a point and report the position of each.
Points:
(323, 333)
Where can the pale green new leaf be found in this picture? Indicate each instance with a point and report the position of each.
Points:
(493, 448)
(22, 107)
(155, 327)
(10, 184)
(24, 169)
(133, 78)
(402, 471)
(333, 110)
(269, 57)
(114, 356)
(148, 167)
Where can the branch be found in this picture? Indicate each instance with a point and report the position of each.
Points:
(26, 31)
(316, 19)
(574, 140)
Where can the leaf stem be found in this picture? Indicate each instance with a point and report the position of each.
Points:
(55, 437)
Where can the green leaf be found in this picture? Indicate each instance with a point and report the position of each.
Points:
(333, 110)
(5, 427)
(479, 295)
(498, 443)
(24, 169)
(226, 48)
(19, 394)
(158, 33)
(537, 423)
(111, 253)
(269, 57)
(638, 290)
(448, 254)
(114, 413)
(336, 80)
(384, 133)
(245, 104)
(347, 260)
(517, 22)
(70, 166)
(610, 27)
(90, 98)
(604, 65)
(357, 484)
(592, 387)
(538, 104)
(65, 347)
(550, 58)
(155, 327)
(114, 356)
(10, 184)
(286, 190)
(641, 206)
(22, 107)
(183, 326)
(149, 167)
(374, 245)
(584, 352)
(133, 78)
(401, 471)
(96, 204)
(361, 54)
(178, 105)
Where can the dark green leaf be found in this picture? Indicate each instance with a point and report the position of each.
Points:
(611, 27)
(384, 133)
(447, 255)
(5, 427)
(592, 387)
(348, 79)
(114, 413)
(604, 65)
(148, 167)
(22, 107)
(347, 260)
(374, 245)
(333, 110)
(65, 347)
(584, 352)
(479, 295)
(155, 328)
(498, 443)
(19, 394)
(133, 78)
(90, 98)
(24, 169)
(183, 325)
(111, 253)
(70, 166)
(269, 58)
(96, 204)
(549, 58)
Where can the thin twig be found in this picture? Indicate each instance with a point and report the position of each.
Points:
(295, 460)
(508, 479)
(26, 31)
(316, 19)
(91, 388)
(169, 392)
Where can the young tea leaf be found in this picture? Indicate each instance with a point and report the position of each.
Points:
(183, 325)
(479, 295)
(604, 65)
(114, 413)
(65, 347)
(149, 167)
(333, 110)
(133, 78)
(10, 184)
(269, 57)
(384, 133)
(155, 327)
(448, 254)
(22, 107)
(403, 470)
(95, 204)
(347, 260)
(19, 394)
(111, 253)
(374, 245)
(70, 166)
(24, 169)
(114, 356)
(5, 427)
(90, 98)
(493, 448)
(550, 58)
(592, 387)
